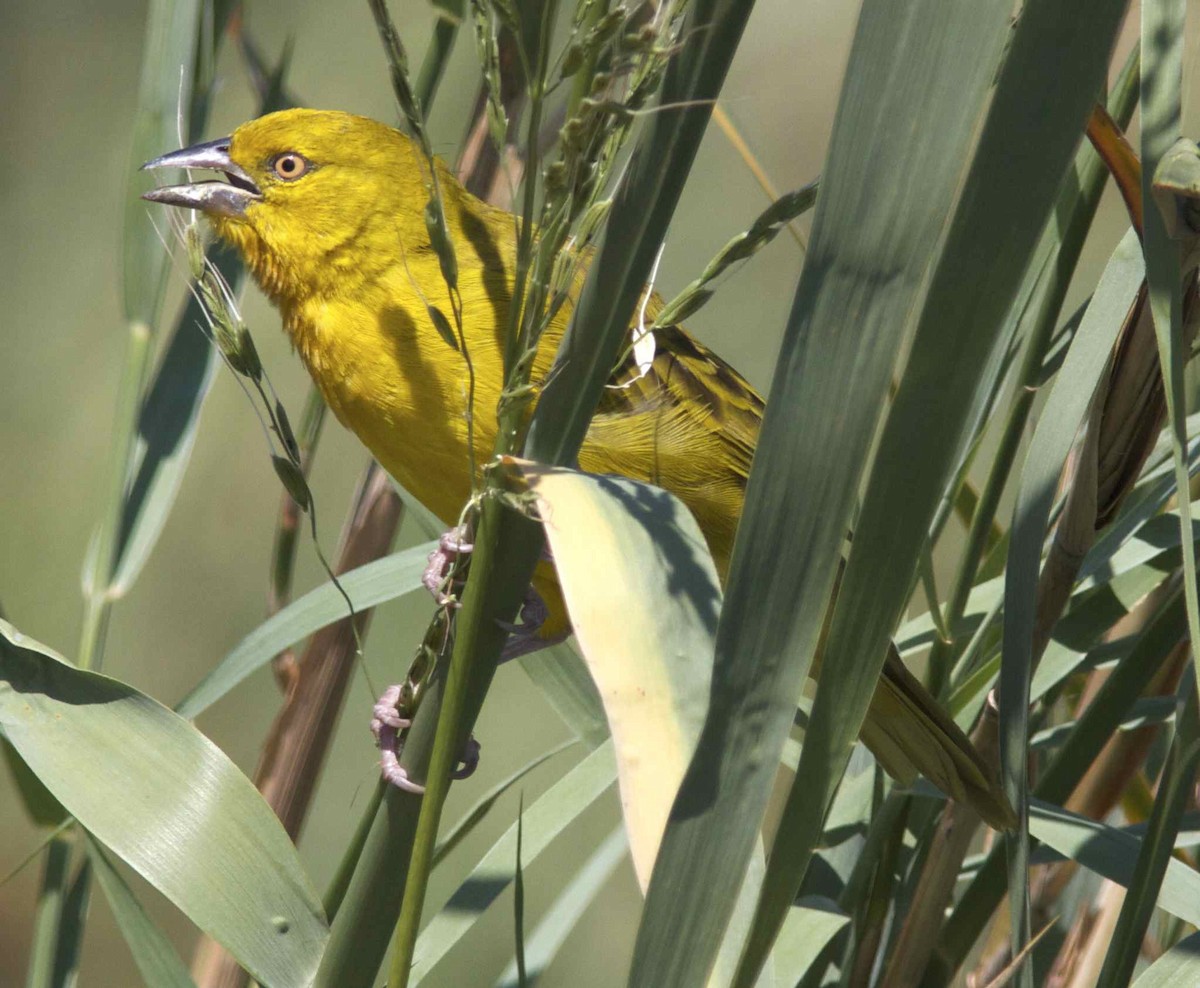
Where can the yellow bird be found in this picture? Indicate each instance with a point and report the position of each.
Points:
(326, 210)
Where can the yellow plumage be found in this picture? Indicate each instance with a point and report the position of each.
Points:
(344, 254)
(333, 232)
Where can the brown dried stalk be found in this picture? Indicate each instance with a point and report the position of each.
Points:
(955, 831)
(1091, 943)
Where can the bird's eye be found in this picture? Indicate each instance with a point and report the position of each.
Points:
(290, 166)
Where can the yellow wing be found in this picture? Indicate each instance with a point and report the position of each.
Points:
(688, 424)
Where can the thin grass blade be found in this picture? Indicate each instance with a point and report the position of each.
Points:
(1163, 23)
(549, 816)
(1175, 790)
(1095, 726)
(1056, 431)
(567, 909)
(1113, 854)
(39, 972)
(479, 811)
(519, 903)
(369, 585)
(72, 924)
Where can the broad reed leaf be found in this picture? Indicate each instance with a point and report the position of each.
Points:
(994, 223)
(43, 809)
(155, 957)
(562, 677)
(1189, 837)
(1051, 73)
(166, 800)
(644, 597)
(811, 923)
(383, 580)
(170, 411)
(1146, 711)
(166, 433)
(863, 283)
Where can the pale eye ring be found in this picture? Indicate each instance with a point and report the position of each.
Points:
(290, 166)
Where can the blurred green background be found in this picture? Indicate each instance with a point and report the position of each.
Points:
(65, 129)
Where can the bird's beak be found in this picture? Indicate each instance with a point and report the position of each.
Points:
(228, 198)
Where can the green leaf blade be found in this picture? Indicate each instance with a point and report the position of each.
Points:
(383, 580)
(166, 800)
(156, 959)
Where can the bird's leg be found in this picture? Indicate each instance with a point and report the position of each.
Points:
(387, 723)
(525, 637)
(439, 572)
(438, 580)
(392, 714)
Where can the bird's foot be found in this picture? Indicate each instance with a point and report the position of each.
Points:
(386, 724)
(439, 572)
(525, 637)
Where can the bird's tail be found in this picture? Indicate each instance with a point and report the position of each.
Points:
(910, 733)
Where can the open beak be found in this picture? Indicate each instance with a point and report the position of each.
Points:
(224, 198)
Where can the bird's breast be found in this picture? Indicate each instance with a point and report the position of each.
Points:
(394, 382)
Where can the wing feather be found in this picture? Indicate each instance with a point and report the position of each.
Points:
(689, 424)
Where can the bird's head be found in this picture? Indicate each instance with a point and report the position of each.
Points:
(306, 196)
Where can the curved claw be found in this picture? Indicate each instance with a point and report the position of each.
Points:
(384, 713)
(450, 547)
(533, 615)
(386, 725)
(394, 774)
(526, 636)
(468, 760)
